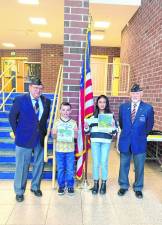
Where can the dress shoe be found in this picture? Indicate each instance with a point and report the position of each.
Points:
(138, 194)
(122, 191)
(19, 198)
(37, 193)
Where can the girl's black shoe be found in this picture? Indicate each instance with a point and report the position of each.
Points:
(95, 187)
(103, 187)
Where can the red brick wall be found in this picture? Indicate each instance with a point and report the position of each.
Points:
(33, 55)
(109, 51)
(115, 102)
(141, 47)
(51, 58)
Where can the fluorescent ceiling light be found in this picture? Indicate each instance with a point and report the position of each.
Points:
(102, 24)
(98, 37)
(117, 2)
(45, 34)
(29, 2)
(8, 45)
(38, 20)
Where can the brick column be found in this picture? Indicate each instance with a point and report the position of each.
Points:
(75, 24)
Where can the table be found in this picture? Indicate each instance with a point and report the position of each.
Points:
(151, 155)
(155, 155)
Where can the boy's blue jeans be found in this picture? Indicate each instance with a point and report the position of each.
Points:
(100, 156)
(65, 169)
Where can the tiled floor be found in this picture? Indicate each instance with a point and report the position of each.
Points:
(83, 208)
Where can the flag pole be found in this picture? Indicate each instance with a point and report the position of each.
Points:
(86, 184)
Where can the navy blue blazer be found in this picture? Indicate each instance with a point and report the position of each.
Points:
(134, 135)
(24, 122)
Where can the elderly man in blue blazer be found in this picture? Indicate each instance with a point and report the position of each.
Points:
(136, 120)
(28, 118)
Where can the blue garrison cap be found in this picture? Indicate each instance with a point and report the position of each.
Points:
(136, 88)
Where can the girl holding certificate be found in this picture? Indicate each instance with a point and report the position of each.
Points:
(101, 127)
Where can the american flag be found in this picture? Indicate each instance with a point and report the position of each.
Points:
(86, 107)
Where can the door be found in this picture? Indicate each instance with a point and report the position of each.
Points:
(8, 67)
(99, 74)
(16, 69)
(115, 76)
(20, 76)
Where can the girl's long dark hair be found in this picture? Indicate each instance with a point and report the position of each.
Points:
(107, 107)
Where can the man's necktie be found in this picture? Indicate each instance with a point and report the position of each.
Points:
(36, 108)
(133, 113)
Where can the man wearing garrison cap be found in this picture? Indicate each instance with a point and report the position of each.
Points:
(136, 120)
(28, 119)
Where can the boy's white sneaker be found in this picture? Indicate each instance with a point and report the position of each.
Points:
(71, 191)
(61, 191)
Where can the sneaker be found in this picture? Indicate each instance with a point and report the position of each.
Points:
(61, 191)
(70, 191)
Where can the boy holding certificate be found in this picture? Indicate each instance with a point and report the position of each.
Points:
(101, 127)
(65, 130)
